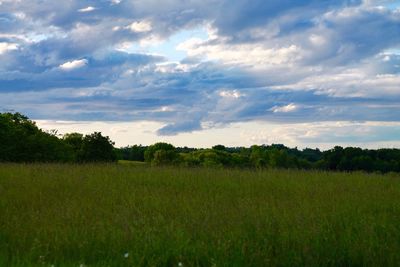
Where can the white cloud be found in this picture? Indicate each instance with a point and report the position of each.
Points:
(20, 15)
(166, 109)
(350, 83)
(230, 94)
(317, 40)
(140, 26)
(116, 2)
(285, 109)
(75, 64)
(5, 47)
(87, 9)
(124, 46)
(252, 56)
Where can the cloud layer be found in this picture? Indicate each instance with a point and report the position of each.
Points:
(269, 61)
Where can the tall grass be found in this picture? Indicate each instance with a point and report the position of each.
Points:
(121, 215)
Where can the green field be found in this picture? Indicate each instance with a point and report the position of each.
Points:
(132, 215)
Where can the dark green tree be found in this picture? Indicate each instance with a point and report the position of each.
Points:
(74, 141)
(22, 141)
(258, 157)
(97, 148)
(219, 147)
(133, 153)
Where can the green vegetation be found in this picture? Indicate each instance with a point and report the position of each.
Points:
(122, 215)
(267, 157)
(22, 141)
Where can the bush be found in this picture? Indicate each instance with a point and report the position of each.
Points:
(161, 154)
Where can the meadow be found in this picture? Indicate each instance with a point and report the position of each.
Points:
(135, 215)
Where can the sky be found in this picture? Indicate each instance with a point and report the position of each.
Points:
(310, 73)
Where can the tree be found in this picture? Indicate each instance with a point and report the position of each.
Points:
(164, 157)
(22, 141)
(97, 148)
(219, 147)
(134, 153)
(160, 153)
(74, 141)
(279, 159)
(258, 157)
(333, 157)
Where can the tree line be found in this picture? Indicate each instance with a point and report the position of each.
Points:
(22, 141)
(267, 156)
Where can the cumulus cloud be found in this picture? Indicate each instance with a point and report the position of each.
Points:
(4, 47)
(140, 26)
(87, 9)
(75, 64)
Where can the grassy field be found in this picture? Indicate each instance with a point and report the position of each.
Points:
(132, 215)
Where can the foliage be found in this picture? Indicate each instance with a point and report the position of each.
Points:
(219, 147)
(133, 153)
(97, 148)
(161, 154)
(75, 141)
(22, 141)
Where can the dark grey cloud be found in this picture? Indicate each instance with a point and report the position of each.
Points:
(238, 17)
(354, 34)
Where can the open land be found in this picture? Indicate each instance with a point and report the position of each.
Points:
(136, 215)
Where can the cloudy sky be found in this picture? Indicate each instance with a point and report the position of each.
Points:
(310, 73)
